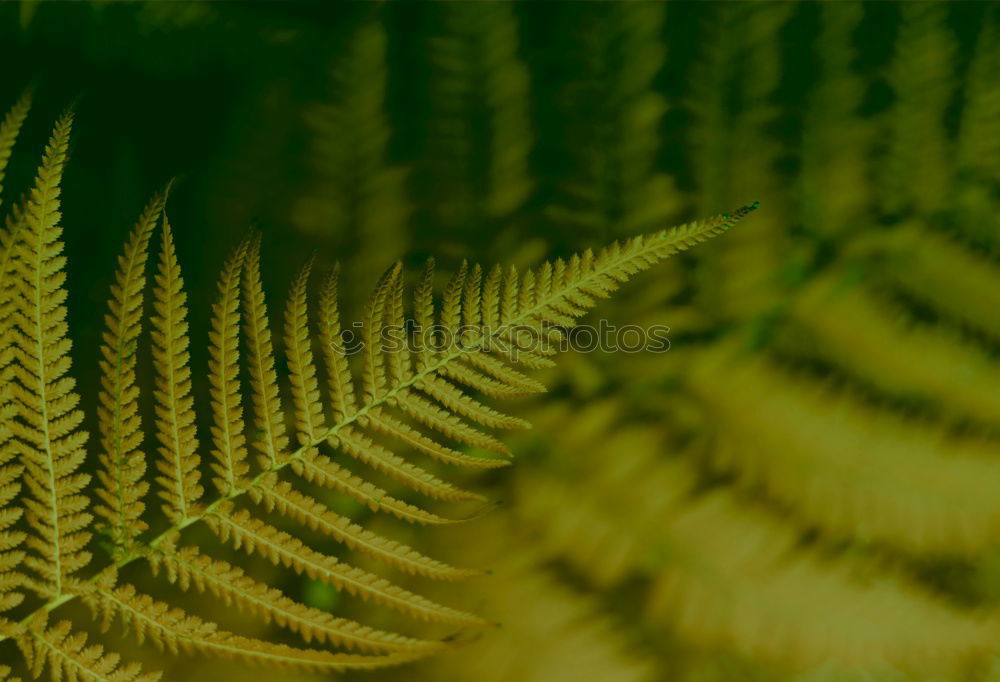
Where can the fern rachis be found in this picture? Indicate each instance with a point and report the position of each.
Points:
(424, 401)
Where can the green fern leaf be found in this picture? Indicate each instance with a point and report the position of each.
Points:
(408, 398)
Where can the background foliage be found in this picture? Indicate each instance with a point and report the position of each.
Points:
(806, 487)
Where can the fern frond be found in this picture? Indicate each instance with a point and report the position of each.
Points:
(395, 344)
(453, 398)
(10, 129)
(572, 288)
(472, 295)
(712, 136)
(48, 430)
(373, 324)
(622, 469)
(835, 147)
(486, 385)
(11, 538)
(979, 140)
(719, 570)
(843, 469)
(356, 194)
(301, 368)
(175, 425)
(490, 297)
(413, 438)
(918, 160)
(174, 630)
(11, 471)
(312, 514)
(613, 112)
(510, 295)
(479, 134)
(737, 582)
(550, 630)
(403, 404)
(187, 566)
(268, 417)
(732, 97)
(450, 316)
(122, 462)
(511, 380)
(321, 470)
(922, 263)
(440, 419)
(338, 372)
(978, 145)
(66, 655)
(424, 316)
(365, 450)
(244, 531)
(852, 328)
(230, 450)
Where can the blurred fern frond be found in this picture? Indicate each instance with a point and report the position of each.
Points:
(835, 148)
(977, 179)
(479, 137)
(549, 630)
(918, 158)
(610, 114)
(356, 198)
(737, 579)
(720, 571)
(921, 263)
(925, 492)
(731, 98)
(917, 364)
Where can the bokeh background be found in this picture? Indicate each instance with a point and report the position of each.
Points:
(807, 486)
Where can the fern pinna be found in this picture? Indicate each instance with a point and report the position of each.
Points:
(424, 396)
